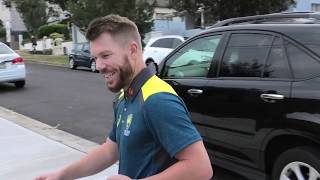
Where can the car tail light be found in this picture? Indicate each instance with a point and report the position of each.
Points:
(17, 60)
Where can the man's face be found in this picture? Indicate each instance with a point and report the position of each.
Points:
(113, 62)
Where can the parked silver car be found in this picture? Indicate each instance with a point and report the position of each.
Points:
(12, 68)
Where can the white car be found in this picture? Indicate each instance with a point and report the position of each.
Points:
(158, 48)
(12, 68)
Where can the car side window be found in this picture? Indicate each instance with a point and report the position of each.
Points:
(194, 59)
(303, 65)
(245, 55)
(163, 43)
(277, 65)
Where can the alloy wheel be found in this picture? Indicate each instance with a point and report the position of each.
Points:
(93, 66)
(71, 64)
(299, 171)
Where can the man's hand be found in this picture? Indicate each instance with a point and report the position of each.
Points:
(50, 176)
(118, 177)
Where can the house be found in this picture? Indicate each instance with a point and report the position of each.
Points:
(167, 21)
(305, 6)
(14, 25)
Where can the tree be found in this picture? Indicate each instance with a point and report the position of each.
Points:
(33, 12)
(46, 30)
(141, 12)
(61, 3)
(2, 30)
(224, 9)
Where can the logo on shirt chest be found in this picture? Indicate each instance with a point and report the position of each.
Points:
(126, 132)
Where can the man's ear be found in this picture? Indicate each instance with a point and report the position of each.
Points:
(133, 49)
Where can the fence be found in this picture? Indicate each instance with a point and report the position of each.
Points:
(46, 44)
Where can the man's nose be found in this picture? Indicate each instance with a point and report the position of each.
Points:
(99, 65)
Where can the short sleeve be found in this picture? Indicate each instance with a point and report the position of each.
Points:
(168, 120)
(112, 134)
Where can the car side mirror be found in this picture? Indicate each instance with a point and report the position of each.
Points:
(86, 51)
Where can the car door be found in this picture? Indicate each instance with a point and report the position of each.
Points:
(246, 97)
(305, 115)
(186, 70)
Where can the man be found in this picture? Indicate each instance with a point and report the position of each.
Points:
(152, 135)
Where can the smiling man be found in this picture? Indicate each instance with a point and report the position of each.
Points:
(152, 136)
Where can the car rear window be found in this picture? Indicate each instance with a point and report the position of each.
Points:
(303, 65)
(163, 43)
(309, 37)
(245, 55)
(79, 47)
(5, 49)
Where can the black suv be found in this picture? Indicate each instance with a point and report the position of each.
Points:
(252, 86)
(80, 56)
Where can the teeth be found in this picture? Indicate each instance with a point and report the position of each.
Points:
(108, 75)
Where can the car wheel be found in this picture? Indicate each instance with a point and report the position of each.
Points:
(71, 64)
(297, 164)
(93, 66)
(20, 84)
(152, 64)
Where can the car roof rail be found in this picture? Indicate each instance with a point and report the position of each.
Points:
(268, 18)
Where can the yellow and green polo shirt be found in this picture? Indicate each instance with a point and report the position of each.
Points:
(151, 126)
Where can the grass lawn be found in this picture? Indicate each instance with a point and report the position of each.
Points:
(52, 59)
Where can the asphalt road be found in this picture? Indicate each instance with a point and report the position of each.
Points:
(76, 101)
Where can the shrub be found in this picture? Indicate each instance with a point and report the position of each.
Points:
(46, 30)
(56, 35)
(2, 32)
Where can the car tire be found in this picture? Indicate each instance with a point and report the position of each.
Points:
(72, 64)
(152, 64)
(20, 84)
(297, 162)
(93, 66)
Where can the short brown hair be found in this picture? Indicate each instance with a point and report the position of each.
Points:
(116, 26)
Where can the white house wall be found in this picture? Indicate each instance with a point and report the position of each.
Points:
(304, 5)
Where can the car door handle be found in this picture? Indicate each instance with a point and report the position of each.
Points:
(195, 92)
(271, 98)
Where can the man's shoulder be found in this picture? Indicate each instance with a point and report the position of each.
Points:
(162, 100)
(154, 86)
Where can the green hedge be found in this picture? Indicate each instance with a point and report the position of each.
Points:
(46, 30)
(2, 32)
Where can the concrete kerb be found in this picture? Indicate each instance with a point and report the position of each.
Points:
(46, 63)
(50, 132)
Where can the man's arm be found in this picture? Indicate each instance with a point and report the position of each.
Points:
(95, 161)
(193, 163)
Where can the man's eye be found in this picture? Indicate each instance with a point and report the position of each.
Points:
(105, 56)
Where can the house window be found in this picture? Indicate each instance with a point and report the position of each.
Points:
(315, 7)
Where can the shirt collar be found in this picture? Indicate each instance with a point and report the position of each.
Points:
(138, 82)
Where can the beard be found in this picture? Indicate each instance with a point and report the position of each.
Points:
(125, 76)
